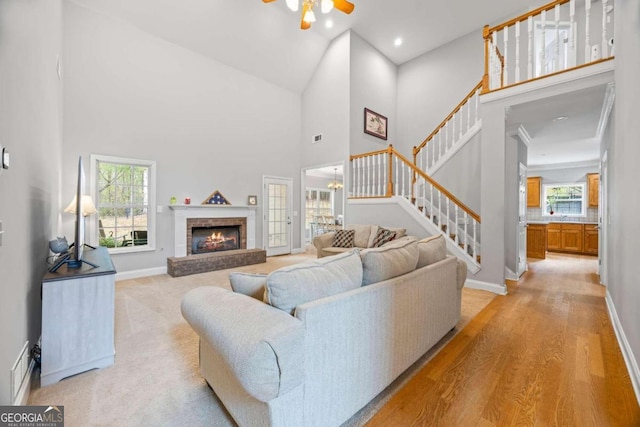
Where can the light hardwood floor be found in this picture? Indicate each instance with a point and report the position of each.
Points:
(545, 355)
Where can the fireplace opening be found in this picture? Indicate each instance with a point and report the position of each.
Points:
(214, 239)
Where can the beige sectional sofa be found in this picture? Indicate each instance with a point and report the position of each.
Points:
(364, 236)
(311, 344)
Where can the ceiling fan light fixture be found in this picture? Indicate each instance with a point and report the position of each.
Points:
(326, 6)
(293, 5)
(309, 16)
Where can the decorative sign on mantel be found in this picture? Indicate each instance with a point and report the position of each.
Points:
(216, 198)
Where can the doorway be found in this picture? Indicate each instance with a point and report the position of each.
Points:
(323, 191)
(277, 215)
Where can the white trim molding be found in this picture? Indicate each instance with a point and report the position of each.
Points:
(627, 353)
(145, 272)
(486, 286)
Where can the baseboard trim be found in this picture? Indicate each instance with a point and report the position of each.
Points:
(627, 353)
(135, 274)
(297, 251)
(486, 286)
(25, 388)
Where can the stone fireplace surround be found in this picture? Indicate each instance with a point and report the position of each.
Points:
(216, 222)
(188, 216)
(182, 213)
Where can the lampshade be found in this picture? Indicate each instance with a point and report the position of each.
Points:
(309, 16)
(88, 208)
(293, 5)
(326, 6)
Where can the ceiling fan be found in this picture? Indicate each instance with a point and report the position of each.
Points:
(308, 16)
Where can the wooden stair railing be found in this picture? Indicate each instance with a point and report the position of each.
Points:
(559, 19)
(386, 173)
(449, 131)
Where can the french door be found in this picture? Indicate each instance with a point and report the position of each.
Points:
(277, 215)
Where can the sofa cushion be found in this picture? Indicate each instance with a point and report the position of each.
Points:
(335, 251)
(431, 249)
(383, 236)
(344, 239)
(363, 233)
(391, 260)
(248, 284)
(291, 286)
(400, 232)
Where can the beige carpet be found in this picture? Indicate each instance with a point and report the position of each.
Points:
(155, 379)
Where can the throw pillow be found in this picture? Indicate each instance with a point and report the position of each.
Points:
(288, 287)
(387, 262)
(432, 249)
(248, 284)
(383, 236)
(344, 239)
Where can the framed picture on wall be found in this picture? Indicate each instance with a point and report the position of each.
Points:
(375, 124)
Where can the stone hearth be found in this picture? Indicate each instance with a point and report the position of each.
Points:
(202, 263)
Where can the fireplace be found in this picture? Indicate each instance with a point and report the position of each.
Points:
(214, 239)
(205, 235)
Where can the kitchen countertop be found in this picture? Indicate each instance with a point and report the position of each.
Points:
(560, 222)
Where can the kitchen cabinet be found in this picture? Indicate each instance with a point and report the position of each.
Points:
(593, 188)
(554, 237)
(533, 192)
(591, 239)
(536, 240)
(572, 237)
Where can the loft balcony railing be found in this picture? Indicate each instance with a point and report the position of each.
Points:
(387, 173)
(560, 36)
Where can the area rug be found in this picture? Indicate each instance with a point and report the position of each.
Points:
(156, 379)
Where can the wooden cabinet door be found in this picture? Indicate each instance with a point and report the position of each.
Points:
(572, 235)
(591, 239)
(554, 237)
(536, 241)
(533, 192)
(593, 184)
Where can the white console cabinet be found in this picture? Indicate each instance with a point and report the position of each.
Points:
(78, 318)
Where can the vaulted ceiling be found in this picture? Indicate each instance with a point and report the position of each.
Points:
(265, 39)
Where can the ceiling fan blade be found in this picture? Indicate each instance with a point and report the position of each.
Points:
(267, 1)
(343, 6)
(304, 25)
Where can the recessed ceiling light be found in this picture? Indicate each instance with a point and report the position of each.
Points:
(328, 23)
(560, 118)
(397, 42)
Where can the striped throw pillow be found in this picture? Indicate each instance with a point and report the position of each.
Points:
(344, 238)
(383, 236)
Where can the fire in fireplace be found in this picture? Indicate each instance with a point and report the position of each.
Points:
(213, 239)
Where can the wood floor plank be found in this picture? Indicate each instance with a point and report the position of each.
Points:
(545, 354)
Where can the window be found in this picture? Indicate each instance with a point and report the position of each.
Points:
(564, 199)
(318, 202)
(124, 192)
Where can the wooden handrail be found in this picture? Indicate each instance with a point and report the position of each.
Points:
(372, 153)
(443, 190)
(392, 151)
(417, 149)
(525, 16)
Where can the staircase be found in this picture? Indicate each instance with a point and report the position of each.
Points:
(541, 43)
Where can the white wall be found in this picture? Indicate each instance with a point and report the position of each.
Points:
(624, 175)
(30, 126)
(208, 126)
(432, 85)
(325, 107)
(374, 86)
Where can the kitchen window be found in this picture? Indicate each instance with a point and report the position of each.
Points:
(564, 199)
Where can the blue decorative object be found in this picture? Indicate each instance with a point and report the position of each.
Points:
(59, 245)
(216, 198)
